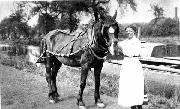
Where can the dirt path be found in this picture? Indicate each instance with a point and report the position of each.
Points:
(22, 90)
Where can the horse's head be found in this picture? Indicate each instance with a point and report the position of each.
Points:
(106, 31)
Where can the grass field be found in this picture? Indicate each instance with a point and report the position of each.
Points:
(164, 40)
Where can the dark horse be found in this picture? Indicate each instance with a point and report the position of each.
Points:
(89, 56)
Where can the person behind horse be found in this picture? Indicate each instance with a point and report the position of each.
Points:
(131, 82)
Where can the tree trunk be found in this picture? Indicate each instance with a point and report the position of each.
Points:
(95, 11)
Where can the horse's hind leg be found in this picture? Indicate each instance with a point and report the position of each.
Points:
(97, 72)
(49, 65)
(56, 65)
(51, 73)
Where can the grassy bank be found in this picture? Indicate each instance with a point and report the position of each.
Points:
(164, 40)
(162, 95)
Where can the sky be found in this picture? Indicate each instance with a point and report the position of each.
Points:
(143, 13)
(5, 8)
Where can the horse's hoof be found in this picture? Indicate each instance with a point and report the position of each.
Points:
(100, 105)
(55, 100)
(52, 101)
(56, 95)
(81, 104)
(82, 107)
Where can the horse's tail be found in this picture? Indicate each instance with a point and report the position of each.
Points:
(43, 48)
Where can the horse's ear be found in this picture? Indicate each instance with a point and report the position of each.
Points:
(115, 15)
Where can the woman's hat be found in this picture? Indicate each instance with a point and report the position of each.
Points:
(133, 27)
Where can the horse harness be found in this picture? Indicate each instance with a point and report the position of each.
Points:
(87, 46)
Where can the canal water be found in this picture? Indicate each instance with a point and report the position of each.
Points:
(31, 52)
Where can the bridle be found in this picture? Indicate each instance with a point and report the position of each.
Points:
(99, 46)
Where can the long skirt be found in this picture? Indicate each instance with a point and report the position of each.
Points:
(131, 83)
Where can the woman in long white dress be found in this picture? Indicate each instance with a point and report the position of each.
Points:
(131, 82)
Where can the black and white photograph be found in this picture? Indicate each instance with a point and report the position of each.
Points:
(90, 54)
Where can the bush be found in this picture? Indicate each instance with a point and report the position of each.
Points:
(161, 27)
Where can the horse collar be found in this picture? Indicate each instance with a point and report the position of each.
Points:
(101, 58)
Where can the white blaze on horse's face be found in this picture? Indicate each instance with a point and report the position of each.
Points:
(111, 48)
(111, 30)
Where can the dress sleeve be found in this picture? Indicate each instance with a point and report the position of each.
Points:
(125, 48)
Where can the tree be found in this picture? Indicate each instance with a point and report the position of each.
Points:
(5, 28)
(19, 24)
(163, 27)
(55, 9)
(14, 26)
(158, 11)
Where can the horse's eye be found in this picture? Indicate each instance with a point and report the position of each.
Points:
(111, 30)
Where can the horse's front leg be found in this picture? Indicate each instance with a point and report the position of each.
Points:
(97, 72)
(84, 73)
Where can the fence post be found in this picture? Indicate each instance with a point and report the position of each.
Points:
(139, 33)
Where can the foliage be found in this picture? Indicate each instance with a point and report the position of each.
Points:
(14, 26)
(132, 3)
(46, 23)
(158, 11)
(50, 12)
(53, 15)
(157, 25)
(161, 27)
(5, 28)
(65, 10)
(67, 23)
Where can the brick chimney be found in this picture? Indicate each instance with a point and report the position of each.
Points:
(176, 14)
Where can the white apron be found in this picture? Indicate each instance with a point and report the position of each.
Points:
(131, 82)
